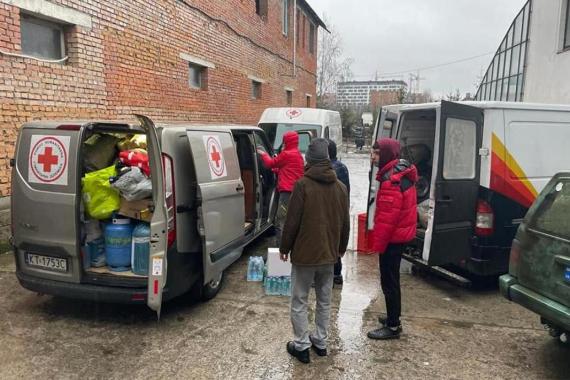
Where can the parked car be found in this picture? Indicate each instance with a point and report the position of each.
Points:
(539, 266)
(210, 197)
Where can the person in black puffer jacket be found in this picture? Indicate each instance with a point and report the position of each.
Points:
(342, 174)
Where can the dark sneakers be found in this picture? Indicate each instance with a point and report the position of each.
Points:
(318, 351)
(385, 333)
(302, 356)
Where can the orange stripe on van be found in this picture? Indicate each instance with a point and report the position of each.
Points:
(507, 176)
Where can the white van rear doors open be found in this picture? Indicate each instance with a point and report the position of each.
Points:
(221, 198)
(158, 224)
(456, 184)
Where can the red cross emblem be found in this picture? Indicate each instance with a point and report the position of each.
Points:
(293, 113)
(215, 156)
(47, 159)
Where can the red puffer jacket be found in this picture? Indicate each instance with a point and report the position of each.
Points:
(396, 205)
(288, 164)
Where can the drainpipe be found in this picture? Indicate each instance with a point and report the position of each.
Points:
(295, 38)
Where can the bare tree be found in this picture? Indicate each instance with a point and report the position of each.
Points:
(454, 96)
(332, 66)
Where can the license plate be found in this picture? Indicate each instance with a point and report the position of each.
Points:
(46, 262)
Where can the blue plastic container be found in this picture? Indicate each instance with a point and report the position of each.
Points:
(118, 240)
(97, 252)
(141, 249)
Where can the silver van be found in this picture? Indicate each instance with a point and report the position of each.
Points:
(210, 197)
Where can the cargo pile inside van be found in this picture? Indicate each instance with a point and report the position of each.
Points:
(417, 142)
(116, 206)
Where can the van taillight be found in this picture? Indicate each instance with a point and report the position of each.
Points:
(168, 170)
(485, 219)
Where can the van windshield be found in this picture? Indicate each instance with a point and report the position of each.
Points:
(552, 214)
(275, 132)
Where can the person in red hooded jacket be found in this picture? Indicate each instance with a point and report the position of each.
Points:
(289, 166)
(394, 225)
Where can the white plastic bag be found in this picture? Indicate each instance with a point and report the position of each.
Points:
(423, 213)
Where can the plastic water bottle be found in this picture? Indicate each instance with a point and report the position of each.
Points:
(268, 286)
(288, 286)
(274, 285)
(280, 286)
(250, 269)
(259, 269)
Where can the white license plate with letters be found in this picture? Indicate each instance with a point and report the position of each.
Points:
(47, 262)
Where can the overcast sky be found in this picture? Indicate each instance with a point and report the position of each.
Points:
(398, 35)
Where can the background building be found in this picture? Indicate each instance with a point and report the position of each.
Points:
(195, 60)
(359, 93)
(532, 63)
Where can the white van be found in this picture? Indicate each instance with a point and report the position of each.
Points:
(210, 197)
(481, 164)
(322, 123)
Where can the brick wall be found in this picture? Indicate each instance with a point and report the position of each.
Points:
(129, 61)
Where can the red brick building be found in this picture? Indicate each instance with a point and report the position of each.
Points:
(197, 60)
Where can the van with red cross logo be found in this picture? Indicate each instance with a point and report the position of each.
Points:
(309, 122)
(208, 196)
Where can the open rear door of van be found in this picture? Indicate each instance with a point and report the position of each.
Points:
(221, 193)
(386, 126)
(456, 184)
(159, 222)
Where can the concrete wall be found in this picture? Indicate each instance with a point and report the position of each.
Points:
(548, 65)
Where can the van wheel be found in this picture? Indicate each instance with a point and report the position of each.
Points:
(211, 289)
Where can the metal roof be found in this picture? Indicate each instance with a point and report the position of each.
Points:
(313, 14)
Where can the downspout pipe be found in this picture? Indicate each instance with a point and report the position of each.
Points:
(295, 38)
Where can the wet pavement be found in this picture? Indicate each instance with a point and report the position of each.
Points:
(449, 332)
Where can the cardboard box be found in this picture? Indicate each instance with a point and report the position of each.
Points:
(276, 267)
(140, 210)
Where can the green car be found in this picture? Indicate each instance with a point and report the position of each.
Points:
(539, 268)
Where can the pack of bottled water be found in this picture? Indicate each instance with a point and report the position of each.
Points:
(255, 268)
(278, 286)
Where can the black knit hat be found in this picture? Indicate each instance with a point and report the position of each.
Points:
(318, 151)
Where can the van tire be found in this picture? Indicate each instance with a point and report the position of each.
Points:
(211, 289)
(199, 292)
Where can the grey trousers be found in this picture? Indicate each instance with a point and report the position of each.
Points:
(302, 278)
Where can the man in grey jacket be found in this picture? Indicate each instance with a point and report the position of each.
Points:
(315, 234)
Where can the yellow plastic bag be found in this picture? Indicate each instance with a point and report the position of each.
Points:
(101, 200)
(132, 142)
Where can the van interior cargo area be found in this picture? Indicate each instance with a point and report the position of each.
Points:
(417, 139)
(106, 271)
(246, 158)
(114, 155)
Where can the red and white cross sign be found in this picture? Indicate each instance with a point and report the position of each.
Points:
(48, 161)
(215, 154)
(293, 113)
